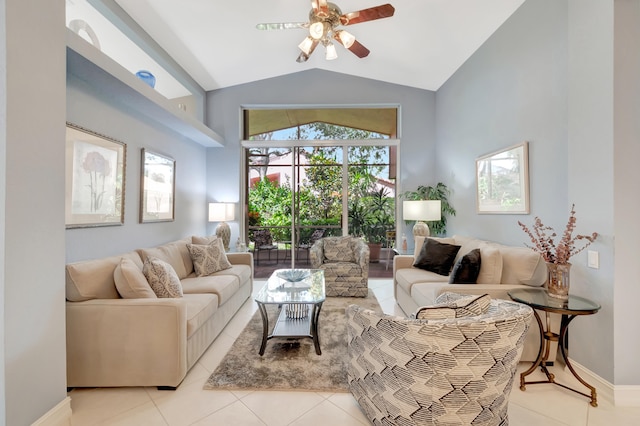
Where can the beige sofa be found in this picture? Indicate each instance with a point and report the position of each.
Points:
(113, 341)
(502, 268)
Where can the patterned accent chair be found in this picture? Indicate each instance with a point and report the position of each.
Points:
(263, 242)
(345, 261)
(453, 371)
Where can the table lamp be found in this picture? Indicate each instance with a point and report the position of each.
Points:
(222, 212)
(422, 211)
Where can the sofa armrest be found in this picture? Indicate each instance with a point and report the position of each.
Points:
(126, 342)
(402, 261)
(245, 258)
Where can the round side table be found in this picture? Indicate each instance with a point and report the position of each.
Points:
(569, 309)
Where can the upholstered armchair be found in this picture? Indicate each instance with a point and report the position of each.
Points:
(455, 371)
(345, 261)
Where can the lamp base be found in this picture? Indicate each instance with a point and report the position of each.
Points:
(224, 232)
(421, 229)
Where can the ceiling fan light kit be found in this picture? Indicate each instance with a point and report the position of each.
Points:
(324, 18)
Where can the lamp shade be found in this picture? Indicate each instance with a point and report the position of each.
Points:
(425, 210)
(221, 212)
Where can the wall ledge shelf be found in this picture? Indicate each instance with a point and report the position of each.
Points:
(100, 71)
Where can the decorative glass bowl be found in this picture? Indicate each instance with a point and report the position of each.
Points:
(293, 275)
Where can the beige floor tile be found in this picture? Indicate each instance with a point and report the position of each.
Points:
(190, 403)
(281, 408)
(236, 414)
(327, 413)
(92, 406)
(347, 403)
(145, 415)
(605, 414)
(214, 354)
(521, 416)
(553, 401)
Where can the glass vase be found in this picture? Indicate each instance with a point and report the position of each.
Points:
(558, 280)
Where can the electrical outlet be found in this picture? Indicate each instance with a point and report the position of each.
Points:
(593, 259)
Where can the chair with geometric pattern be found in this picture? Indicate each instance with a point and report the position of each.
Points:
(345, 262)
(453, 371)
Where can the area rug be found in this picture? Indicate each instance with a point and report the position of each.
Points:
(291, 364)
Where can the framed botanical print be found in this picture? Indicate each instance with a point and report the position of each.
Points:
(502, 181)
(157, 187)
(94, 179)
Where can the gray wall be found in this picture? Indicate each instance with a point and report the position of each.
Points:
(547, 76)
(313, 88)
(34, 356)
(3, 184)
(90, 108)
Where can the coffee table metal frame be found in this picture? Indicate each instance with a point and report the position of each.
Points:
(277, 291)
(569, 309)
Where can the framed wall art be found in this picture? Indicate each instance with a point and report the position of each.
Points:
(157, 187)
(502, 181)
(94, 179)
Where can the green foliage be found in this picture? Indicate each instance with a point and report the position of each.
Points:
(438, 192)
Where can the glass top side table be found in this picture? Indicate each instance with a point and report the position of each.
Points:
(569, 309)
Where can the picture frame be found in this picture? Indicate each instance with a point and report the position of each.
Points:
(502, 181)
(157, 187)
(94, 179)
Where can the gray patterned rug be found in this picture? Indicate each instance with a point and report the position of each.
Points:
(291, 364)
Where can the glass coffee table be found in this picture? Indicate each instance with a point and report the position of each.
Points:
(299, 293)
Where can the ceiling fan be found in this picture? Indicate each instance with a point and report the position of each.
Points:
(324, 20)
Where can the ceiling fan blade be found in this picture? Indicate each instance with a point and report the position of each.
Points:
(283, 26)
(364, 15)
(359, 50)
(320, 7)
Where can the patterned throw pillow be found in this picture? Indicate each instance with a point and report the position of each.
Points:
(131, 282)
(466, 269)
(203, 240)
(208, 259)
(162, 278)
(338, 249)
(466, 306)
(436, 256)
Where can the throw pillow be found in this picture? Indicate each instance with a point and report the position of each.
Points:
(419, 241)
(338, 249)
(436, 257)
(466, 306)
(466, 269)
(131, 282)
(208, 259)
(162, 278)
(491, 268)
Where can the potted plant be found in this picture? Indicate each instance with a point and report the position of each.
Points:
(438, 192)
(370, 217)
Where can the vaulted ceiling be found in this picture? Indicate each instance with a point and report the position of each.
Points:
(217, 42)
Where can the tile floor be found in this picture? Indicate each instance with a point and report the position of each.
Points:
(539, 405)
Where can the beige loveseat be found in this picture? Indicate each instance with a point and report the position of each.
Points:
(113, 341)
(502, 268)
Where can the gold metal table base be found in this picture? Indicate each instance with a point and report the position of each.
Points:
(546, 337)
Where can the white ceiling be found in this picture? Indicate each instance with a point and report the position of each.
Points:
(421, 46)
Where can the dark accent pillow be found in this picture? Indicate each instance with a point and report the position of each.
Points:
(466, 269)
(436, 257)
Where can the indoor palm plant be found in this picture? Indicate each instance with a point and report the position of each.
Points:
(438, 192)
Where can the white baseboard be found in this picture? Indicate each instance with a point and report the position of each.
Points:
(620, 396)
(60, 415)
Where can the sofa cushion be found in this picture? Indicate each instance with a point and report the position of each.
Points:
(491, 267)
(242, 272)
(467, 268)
(455, 307)
(200, 307)
(521, 265)
(174, 253)
(93, 279)
(208, 259)
(338, 249)
(436, 256)
(162, 278)
(224, 286)
(131, 282)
